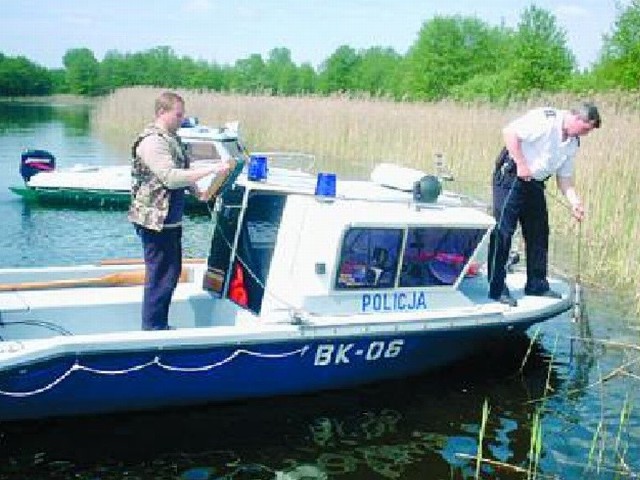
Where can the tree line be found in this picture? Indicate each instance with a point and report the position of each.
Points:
(455, 57)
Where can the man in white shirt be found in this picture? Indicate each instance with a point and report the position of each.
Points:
(541, 143)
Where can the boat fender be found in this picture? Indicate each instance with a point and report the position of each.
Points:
(237, 290)
(36, 161)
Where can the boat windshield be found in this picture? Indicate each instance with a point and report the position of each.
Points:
(432, 256)
(437, 256)
(221, 149)
(369, 258)
(241, 274)
(203, 151)
(256, 242)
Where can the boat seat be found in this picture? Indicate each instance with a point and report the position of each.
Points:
(380, 269)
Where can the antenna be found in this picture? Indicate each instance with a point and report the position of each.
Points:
(441, 169)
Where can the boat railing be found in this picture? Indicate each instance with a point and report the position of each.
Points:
(290, 160)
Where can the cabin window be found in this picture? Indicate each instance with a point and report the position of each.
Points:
(203, 151)
(256, 243)
(369, 258)
(436, 256)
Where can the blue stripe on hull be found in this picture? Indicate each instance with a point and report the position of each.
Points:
(134, 381)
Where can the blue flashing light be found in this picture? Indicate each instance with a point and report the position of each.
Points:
(326, 185)
(189, 122)
(257, 168)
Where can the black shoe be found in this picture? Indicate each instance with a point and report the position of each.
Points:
(506, 299)
(165, 327)
(547, 293)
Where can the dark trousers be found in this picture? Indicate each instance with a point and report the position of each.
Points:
(516, 200)
(163, 263)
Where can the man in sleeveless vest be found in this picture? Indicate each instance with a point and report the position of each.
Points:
(161, 172)
(539, 144)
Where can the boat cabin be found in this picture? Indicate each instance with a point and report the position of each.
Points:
(211, 143)
(277, 246)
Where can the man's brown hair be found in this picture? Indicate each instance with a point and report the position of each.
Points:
(166, 101)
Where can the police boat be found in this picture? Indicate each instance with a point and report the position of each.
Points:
(312, 283)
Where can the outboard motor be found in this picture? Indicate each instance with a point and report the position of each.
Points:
(35, 161)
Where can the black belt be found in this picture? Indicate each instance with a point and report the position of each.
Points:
(507, 165)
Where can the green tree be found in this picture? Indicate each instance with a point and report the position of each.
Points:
(203, 75)
(249, 75)
(541, 59)
(82, 71)
(163, 67)
(58, 80)
(377, 71)
(20, 76)
(337, 73)
(115, 71)
(307, 79)
(450, 51)
(281, 73)
(619, 65)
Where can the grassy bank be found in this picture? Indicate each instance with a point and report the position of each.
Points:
(350, 136)
(60, 99)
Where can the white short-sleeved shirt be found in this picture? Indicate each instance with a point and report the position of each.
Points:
(540, 134)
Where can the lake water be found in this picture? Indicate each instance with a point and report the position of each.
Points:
(579, 384)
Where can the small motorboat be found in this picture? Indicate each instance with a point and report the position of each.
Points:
(93, 186)
(312, 283)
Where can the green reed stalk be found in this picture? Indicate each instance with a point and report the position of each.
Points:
(595, 444)
(535, 445)
(625, 413)
(483, 426)
(527, 354)
(536, 439)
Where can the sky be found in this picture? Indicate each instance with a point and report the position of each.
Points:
(225, 31)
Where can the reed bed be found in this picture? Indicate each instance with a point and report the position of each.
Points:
(351, 135)
(607, 453)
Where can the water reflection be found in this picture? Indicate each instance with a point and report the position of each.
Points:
(587, 426)
(20, 116)
(582, 357)
(414, 428)
(64, 236)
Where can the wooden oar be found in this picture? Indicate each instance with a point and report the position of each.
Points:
(119, 279)
(140, 261)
